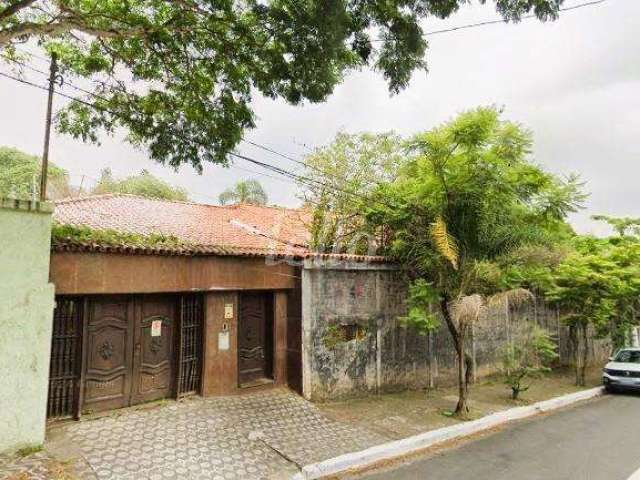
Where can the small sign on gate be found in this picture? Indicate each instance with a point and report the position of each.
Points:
(223, 340)
(156, 328)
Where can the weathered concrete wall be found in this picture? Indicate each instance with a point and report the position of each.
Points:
(26, 310)
(353, 342)
(363, 302)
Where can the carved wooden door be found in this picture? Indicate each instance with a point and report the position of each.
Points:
(109, 358)
(130, 351)
(153, 359)
(253, 350)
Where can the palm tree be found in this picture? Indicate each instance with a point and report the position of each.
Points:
(462, 313)
(245, 191)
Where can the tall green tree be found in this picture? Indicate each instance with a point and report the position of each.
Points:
(597, 288)
(144, 184)
(20, 176)
(245, 191)
(623, 226)
(337, 180)
(179, 75)
(470, 198)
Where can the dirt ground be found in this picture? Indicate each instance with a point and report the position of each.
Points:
(399, 415)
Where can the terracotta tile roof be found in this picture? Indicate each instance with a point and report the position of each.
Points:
(244, 230)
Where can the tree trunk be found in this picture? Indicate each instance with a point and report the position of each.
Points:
(575, 355)
(465, 362)
(585, 356)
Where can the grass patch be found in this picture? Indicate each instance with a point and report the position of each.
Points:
(26, 451)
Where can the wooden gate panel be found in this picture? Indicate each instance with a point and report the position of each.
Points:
(253, 352)
(109, 360)
(153, 355)
(66, 357)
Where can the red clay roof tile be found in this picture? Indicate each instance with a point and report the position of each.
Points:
(245, 230)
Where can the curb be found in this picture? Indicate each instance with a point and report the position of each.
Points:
(409, 445)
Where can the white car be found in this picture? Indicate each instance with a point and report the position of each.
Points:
(623, 371)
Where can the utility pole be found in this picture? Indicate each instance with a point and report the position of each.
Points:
(53, 79)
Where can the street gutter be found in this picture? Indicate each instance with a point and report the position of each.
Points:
(354, 461)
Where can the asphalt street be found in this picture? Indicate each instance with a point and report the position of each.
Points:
(599, 440)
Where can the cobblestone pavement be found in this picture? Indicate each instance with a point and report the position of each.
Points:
(257, 436)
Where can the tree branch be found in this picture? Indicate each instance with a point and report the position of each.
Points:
(64, 25)
(15, 8)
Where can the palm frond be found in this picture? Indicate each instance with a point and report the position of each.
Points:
(515, 297)
(444, 241)
(467, 309)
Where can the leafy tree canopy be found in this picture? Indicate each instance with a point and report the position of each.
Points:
(621, 225)
(20, 176)
(179, 75)
(245, 191)
(337, 180)
(469, 199)
(598, 285)
(144, 184)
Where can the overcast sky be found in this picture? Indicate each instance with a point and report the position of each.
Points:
(574, 82)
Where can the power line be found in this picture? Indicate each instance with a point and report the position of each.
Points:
(310, 182)
(263, 147)
(42, 87)
(502, 20)
(70, 97)
(498, 21)
(299, 179)
(300, 162)
(255, 144)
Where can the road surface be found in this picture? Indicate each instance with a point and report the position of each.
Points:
(599, 440)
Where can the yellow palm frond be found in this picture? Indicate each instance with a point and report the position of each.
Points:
(445, 242)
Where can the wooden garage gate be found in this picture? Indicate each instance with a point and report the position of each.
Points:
(115, 351)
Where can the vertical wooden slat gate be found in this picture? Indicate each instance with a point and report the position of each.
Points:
(66, 357)
(191, 344)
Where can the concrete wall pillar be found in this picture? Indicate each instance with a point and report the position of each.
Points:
(307, 332)
(280, 338)
(26, 319)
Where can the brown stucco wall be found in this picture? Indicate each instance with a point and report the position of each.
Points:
(97, 273)
(75, 273)
(280, 338)
(221, 366)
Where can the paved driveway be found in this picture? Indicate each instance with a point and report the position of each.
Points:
(258, 436)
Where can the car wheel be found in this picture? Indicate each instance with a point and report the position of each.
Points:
(609, 389)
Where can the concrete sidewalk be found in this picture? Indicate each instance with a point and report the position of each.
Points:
(255, 436)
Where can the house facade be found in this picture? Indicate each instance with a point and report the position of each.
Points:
(239, 304)
(219, 314)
